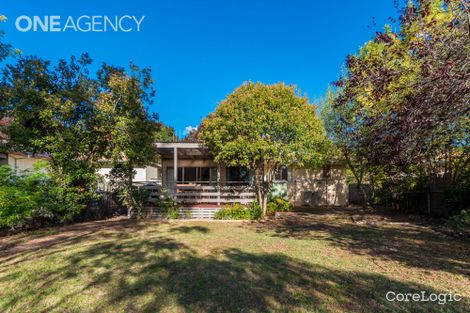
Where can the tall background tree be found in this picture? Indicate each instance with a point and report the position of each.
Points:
(131, 130)
(262, 127)
(51, 111)
(78, 120)
(404, 98)
(5, 49)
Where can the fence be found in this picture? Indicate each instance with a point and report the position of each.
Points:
(355, 195)
(106, 206)
(430, 202)
(425, 202)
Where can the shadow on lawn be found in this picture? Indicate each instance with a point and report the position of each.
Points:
(409, 243)
(190, 229)
(26, 245)
(147, 275)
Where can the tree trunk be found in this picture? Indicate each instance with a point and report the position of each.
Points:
(264, 204)
(262, 181)
(358, 175)
(130, 197)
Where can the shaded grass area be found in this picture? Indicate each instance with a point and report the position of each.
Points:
(302, 262)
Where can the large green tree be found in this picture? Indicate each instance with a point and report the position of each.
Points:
(51, 111)
(401, 109)
(78, 120)
(408, 92)
(131, 130)
(262, 127)
(5, 48)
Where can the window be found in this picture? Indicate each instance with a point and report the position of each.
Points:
(236, 175)
(281, 173)
(204, 175)
(326, 171)
(190, 174)
(3, 159)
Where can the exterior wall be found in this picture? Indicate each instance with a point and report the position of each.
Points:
(3, 159)
(21, 162)
(324, 191)
(153, 173)
(149, 173)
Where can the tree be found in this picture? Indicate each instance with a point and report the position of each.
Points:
(193, 135)
(5, 49)
(51, 111)
(341, 129)
(401, 108)
(407, 93)
(165, 133)
(78, 120)
(130, 127)
(262, 127)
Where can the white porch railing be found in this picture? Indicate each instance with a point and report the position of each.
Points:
(205, 194)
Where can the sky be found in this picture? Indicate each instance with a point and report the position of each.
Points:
(201, 50)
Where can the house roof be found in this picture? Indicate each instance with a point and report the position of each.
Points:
(184, 149)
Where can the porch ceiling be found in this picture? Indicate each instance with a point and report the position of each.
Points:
(184, 150)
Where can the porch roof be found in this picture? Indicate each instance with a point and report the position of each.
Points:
(183, 149)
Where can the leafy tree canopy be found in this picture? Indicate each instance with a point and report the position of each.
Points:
(263, 127)
(405, 95)
(77, 119)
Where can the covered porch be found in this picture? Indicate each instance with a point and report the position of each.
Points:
(190, 176)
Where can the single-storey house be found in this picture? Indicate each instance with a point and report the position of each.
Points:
(190, 173)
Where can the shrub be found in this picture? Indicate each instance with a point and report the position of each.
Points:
(279, 204)
(456, 194)
(460, 221)
(238, 211)
(235, 211)
(26, 197)
(171, 207)
(255, 211)
(139, 197)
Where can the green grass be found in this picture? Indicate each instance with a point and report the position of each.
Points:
(303, 263)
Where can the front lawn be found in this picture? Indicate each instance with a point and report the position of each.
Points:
(303, 262)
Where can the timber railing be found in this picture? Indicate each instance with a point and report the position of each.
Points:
(204, 194)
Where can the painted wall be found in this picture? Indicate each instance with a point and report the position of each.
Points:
(308, 184)
(143, 173)
(153, 173)
(21, 162)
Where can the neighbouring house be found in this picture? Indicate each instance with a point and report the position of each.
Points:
(191, 175)
(143, 174)
(20, 161)
(25, 162)
(17, 160)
